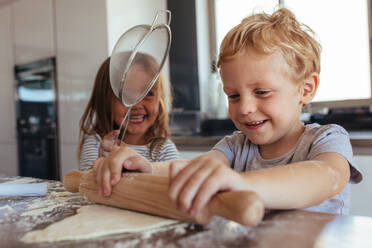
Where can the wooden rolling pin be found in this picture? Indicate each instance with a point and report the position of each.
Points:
(149, 193)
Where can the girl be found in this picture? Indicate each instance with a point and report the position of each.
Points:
(148, 130)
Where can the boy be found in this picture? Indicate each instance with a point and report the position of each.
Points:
(270, 66)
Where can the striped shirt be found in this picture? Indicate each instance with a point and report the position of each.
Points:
(89, 152)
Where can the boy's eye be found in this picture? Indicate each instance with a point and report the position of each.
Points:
(262, 92)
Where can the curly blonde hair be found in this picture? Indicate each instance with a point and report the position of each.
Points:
(98, 115)
(277, 32)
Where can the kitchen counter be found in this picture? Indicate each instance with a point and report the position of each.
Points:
(18, 215)
(360, 140)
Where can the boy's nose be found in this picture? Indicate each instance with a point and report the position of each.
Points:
(247, 106)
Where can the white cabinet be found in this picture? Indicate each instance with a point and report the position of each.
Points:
(361, 193)
(33, 30)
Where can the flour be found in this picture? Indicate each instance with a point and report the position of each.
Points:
(30, 212)
(23, 180)
(94, 221)
(6, 208)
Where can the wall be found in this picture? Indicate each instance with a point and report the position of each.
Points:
(81, 46)
(8, 147)
(33, 31)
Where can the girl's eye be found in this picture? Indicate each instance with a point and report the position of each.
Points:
(234, 96)
(151, 93)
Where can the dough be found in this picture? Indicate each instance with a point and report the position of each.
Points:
(96, 220)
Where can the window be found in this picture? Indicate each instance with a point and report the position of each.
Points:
(342, 27)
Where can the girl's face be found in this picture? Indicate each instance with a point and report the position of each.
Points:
(142, 115)
(264, 102)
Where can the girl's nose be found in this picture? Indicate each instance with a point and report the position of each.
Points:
(247, 105)
(137, 106)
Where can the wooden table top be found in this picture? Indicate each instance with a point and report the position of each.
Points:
(19, 215)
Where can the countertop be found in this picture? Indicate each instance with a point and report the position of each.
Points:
(296, 228)
(360, 140)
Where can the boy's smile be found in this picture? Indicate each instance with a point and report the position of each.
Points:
(264, 100)
(255, 124)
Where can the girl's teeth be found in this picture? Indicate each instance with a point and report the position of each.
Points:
(137, 118)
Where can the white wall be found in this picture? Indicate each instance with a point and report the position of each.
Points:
(8, 152)
(81, 40)
(125, 14)
(33, 30)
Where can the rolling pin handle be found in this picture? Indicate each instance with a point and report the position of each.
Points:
(243, 207)
(71, 180)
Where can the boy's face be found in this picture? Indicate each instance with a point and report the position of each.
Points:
(264, 102)
(142, 115)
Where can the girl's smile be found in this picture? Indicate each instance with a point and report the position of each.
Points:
(142, 117)
(137, 119)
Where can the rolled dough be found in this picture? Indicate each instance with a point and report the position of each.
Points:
(94, 221)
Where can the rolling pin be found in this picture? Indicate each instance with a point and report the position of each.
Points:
(149, 194)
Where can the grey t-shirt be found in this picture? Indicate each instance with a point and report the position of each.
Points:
(316, 139)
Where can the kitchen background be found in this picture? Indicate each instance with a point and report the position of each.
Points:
(50, 51)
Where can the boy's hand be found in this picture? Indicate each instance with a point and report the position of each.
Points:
(108, 169)
(108, 143)
(193, 184)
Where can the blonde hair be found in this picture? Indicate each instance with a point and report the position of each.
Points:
(98, 115)
(277, 32)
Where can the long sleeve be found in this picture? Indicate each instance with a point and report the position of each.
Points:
(89, 152)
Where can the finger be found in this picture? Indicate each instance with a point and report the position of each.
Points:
(176, 166)
(115, 171)
(105, 153)
(107, 146)
(117, 159)
(138, 163)
(192, 186)
(105, 180)
(112, 135)
(180, 179)
(100, 150)
(99, 178)
(208, 189)
(96, 164)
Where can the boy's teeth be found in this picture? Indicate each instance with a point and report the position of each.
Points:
(255, 122)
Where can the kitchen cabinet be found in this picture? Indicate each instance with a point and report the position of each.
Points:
(362, 192)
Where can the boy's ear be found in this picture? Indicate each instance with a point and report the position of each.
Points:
(309, 88)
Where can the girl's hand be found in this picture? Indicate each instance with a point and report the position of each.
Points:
(108, 169)
(108, 143)
(193, 184)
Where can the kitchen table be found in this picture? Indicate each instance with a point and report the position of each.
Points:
(296, 228)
